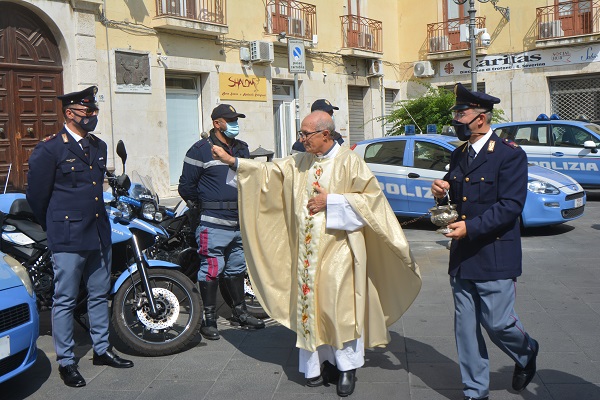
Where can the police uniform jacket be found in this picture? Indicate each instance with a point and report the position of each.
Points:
(65, 192)
(490, 195)
(203, 180)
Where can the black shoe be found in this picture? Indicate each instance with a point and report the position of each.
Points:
(476, 398)
(112, 360)
(522, 376)
(345, 385)
(209, 330)
(329, 374)
(71, 376)
(241, 316)
(316, 381)
(208, 291)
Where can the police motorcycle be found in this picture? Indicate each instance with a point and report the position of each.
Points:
(141, 201)
(156, 309)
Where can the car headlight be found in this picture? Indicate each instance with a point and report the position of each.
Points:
(148, 210)
(541, 187)
(21, 272)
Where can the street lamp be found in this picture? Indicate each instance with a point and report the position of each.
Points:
(473, 32)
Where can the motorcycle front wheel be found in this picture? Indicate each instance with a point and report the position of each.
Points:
(177, 322)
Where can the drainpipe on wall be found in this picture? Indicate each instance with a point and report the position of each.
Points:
(110, 89)
(382, 95)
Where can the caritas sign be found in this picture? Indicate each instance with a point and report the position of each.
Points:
(529, 59)
(242, 87)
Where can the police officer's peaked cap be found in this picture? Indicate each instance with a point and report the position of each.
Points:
(466, 99)
(323, 105)
(87, 97)
(225, 111)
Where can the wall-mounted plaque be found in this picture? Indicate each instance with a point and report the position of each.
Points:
(132, 72)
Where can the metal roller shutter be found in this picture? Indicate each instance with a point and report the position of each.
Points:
(389, 100)
(356, 114)
(573, 97)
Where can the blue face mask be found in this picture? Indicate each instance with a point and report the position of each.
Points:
(233, 129)
(88, 124)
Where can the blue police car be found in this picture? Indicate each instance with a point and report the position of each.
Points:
(567, 146)
(19, 320)
(406, 165)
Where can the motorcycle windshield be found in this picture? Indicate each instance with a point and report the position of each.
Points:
(142, 189)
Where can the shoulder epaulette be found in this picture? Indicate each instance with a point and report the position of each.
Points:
(510, 143)
(47, 138)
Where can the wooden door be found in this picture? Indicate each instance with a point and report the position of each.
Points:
(575, 17)
(30, 80)
(354, 33)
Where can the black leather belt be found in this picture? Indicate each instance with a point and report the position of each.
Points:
(219, 205)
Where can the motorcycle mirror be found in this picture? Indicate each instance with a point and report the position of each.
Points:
(122, 153)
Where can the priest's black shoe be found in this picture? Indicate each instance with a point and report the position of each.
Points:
(112, 360)
(71, 376)
(345, 386)
(329, 374)
(522, 376)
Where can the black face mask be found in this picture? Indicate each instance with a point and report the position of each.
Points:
(462, 129)
(88, 124)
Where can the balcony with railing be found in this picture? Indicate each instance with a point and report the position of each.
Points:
(294, 18)
(573, 22)
(444, 37)
(207, 17)
(361, 36)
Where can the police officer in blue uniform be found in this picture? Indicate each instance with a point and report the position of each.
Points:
(203, 181)
(65, 177)
(487, 181)
(323, 105)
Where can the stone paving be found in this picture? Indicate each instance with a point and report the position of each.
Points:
(558, 302)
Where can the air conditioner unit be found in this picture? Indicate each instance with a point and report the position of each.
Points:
(375, 68)
(439, 43)
(261, 51)
(365, 40)
(423, 69)
(296, 27)
(551, 29)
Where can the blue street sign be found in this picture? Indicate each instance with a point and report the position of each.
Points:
(297, 53)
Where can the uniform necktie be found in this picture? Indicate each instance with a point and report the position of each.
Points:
(85, 145)
(471, 155)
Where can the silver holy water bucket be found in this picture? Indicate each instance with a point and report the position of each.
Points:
(443, 215)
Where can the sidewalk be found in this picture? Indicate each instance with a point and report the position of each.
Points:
(558, 302)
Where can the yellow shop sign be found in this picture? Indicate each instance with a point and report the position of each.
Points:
(242, 87)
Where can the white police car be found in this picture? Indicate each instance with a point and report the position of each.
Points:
(405, 166)
(570, 147)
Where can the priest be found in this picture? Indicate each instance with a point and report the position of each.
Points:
(325, 253)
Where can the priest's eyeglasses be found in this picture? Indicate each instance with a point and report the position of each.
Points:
(304, 135)
(88, 111)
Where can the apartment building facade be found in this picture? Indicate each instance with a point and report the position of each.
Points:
(543, 56)
(162, 65)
